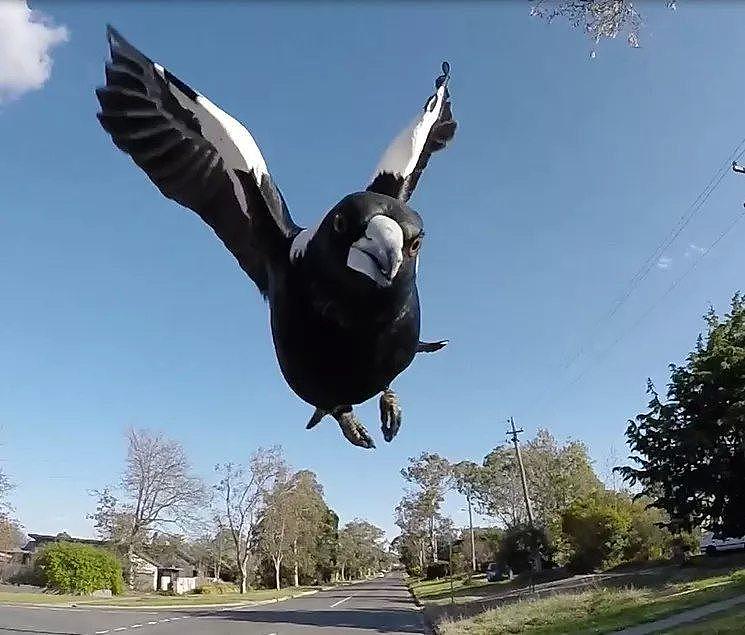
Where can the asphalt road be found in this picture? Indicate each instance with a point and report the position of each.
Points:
(383, 605)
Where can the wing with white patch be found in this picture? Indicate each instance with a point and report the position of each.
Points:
(404, 161)
(197, 155)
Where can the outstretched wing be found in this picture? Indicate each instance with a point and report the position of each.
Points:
(197, 155)
(405, 159)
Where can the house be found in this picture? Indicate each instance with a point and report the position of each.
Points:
(178, 573)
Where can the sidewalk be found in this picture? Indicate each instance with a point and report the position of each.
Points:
(685, 617)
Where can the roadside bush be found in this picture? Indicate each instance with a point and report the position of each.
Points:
(647, 539)
(216, 588)
(520, 543)
(78, 568)
(437, 570)
(26, 575)
(596, 527)
(684, 546)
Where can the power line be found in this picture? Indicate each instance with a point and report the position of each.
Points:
(603, 353)
(663, 246)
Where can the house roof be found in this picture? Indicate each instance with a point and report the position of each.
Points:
(64, 537)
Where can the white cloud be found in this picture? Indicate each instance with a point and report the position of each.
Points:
(664, 262)
(26, 40)
(694, 250)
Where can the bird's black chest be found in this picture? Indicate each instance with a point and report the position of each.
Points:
(333, 351)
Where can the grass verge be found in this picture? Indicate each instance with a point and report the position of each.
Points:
(598, 610)
(435, 589)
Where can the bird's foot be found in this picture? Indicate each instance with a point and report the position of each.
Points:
(351, 427)
(431, 347)
(316, 418)
(390, 414)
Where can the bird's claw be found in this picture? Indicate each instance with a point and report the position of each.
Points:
(390, 414)
(353, 430)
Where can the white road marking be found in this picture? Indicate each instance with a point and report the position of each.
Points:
(121, 628)
(101, 632)
(166, 619)
(340, 602)
(152, 622)
(135, 626)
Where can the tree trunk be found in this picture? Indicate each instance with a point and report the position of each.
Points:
(277, 564)
(296, 577)
(342, 573)
(131, 566)
(473, 542)
(433, 538)
(243, 577)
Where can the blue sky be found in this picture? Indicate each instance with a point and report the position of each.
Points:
(120, 309)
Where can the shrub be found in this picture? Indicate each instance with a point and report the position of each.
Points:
(78, 568)
(597, 528)
(437, 570)
(683, 546)
(216, 588)
(519, 545)
(26, 575)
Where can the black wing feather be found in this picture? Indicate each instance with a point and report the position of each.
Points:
(188, 153)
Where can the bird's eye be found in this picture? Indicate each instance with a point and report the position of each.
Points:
(340, 224)
(414, 246)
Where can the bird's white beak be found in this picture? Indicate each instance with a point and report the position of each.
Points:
(379, 253)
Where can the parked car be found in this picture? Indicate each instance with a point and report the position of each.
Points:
(712, 546)
(496, 572)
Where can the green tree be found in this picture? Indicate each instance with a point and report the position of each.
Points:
(557, 475)
(521, 543)
(412, 518)
(596, 527)
(327, 546)
(430, 475)
(292, 521)
(361, 549)
(77, 568)
(467, 479)
(689, 449)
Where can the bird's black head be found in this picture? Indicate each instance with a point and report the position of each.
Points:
(368, 242)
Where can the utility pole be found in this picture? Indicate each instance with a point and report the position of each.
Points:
(470, 527)
(513, 432)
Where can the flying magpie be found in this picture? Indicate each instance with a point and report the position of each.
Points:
(342, 295)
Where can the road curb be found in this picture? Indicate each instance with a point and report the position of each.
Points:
(427, 620)
(181, 607)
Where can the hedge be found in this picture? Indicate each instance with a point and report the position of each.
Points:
(79, 568)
